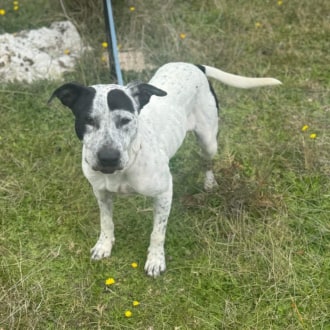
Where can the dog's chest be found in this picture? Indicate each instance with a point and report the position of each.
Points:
(117, 184)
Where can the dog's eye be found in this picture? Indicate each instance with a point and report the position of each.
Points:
(124, 121)
(90, 121)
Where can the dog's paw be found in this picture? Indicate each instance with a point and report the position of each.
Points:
(210, 183)
(155, 264)
(102, 249)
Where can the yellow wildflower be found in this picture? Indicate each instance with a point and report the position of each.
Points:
(136, 303)
(128, 313)
(104, 58)
(258, 25)
(134, 265)
(67, 51)
(183, 36)
(305, 128)
(104, 44)
(2, 12)
(131, 8)
(15, 8)
(279, 2)
(110, 281)
(312, 136)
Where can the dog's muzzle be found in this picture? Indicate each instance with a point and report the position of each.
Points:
(108, 161)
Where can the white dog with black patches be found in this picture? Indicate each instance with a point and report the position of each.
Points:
(126, 150)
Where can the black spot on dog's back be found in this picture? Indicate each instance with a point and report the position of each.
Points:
(202, 68)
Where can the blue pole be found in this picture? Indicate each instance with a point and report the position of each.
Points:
(113, 39)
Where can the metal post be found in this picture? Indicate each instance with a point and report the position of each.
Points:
(112, 45)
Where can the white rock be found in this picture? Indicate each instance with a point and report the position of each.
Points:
(44, 53)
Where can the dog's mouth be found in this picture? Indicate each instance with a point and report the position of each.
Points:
(107, 170)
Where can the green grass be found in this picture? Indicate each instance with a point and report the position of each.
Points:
(253, 254)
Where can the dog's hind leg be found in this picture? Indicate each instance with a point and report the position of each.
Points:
(206, 131)
(209, 146)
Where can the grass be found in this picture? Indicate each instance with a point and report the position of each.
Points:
(254, 254)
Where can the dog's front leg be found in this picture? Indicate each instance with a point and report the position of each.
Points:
(155, 264)
(102, 248)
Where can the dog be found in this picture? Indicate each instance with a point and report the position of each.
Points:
(129, 134)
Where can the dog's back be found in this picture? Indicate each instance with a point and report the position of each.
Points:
(172, 116)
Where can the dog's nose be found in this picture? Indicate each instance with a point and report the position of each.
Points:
(108, 157)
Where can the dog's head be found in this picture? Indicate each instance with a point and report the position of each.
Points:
(106, 119)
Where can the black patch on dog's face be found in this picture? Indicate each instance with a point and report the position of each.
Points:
(118, 100)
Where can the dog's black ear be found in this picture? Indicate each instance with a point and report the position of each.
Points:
(142, 92)
(71, 94)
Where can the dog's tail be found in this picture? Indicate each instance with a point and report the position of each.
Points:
(235, 80)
